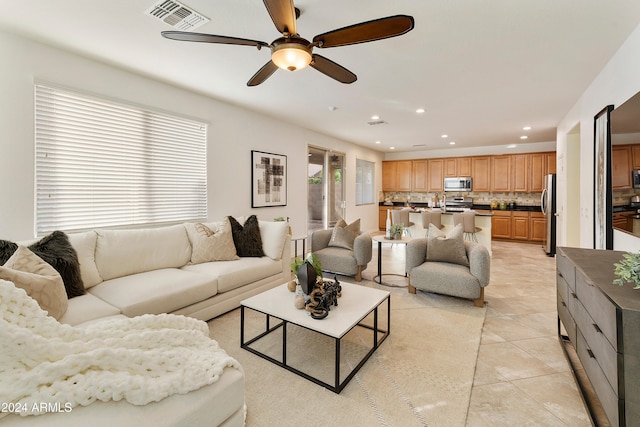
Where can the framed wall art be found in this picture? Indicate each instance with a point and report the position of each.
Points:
(602, 189)
(268, 179)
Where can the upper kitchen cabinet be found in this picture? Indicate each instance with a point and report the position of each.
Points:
(635, 156)
(436, 174)
(540, 164)
(420, 176)
(480, 173)
(396, 175)
(621, 167)
(500, 173)
(520, 172)
(457, 166)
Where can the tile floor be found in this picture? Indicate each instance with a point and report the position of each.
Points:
(522, 376)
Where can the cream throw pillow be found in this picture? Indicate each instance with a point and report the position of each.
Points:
(40, 280)
(211, 242)
(447, 248)
(344, 235)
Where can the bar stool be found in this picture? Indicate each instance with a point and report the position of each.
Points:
(402, 217)
(468, 221)
(431, 217)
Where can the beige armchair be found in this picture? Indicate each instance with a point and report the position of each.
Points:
(336, 257)
(444, 272)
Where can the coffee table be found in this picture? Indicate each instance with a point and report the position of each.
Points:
(358, 308)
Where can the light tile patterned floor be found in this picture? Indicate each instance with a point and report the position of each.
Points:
(522, 376)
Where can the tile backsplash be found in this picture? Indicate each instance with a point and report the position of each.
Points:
(479, 198)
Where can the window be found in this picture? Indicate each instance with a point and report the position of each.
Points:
(365, 182)
(104, 164)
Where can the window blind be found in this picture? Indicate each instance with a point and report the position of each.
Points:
(104, 164)
(365, 182)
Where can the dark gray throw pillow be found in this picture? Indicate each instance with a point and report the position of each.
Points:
(246, 237)
(56, 250)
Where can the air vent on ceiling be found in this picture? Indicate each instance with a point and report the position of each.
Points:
(377, 122)
(176, 15)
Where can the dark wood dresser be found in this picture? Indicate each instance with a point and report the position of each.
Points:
(602, 321)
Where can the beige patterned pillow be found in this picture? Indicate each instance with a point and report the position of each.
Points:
(40, 280)
(447, 248)
(211, 242)
(344, 235)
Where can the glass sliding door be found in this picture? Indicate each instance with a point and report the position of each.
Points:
(325, 180)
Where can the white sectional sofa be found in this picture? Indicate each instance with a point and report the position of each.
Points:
(135, 272)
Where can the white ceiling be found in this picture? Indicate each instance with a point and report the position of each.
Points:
(481, 69)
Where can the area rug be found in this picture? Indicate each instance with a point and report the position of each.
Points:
(420, 376)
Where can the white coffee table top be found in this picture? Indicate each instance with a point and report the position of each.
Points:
(354, 305)
(383, 239)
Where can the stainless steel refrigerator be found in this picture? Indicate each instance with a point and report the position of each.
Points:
(548, 206)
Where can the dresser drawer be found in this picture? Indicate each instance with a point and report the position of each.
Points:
(567, 270)
(605, 393)
(601, 309)
(566, 319)
(603, 353)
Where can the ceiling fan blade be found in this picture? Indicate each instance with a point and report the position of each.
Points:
(333, 70)
(283, 15)
(369, 31)
(211, 38)
(263, 74)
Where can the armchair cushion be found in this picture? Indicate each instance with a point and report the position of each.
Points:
(343, 235)
(446, 248)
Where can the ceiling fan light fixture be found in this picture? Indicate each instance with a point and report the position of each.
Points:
(291, 56)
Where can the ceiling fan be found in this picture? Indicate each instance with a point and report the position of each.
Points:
(292, 52)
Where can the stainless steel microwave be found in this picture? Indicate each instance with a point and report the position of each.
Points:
(635, 177)
(460, 183)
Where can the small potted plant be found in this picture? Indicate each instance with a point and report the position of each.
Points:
(297, 262)
(628, 270)
(396, 231)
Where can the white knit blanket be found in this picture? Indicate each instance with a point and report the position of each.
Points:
(142, 360)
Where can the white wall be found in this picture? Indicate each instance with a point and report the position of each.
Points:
(618, 81)
(233, 133)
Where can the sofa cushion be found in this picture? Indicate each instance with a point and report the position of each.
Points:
(235, 274)
(85, 246)
(56, 250)
(273, 235)
(337, 260)
(87, 308)
(343, 235)
(446, 248)
(211, 243)
(38, 278)
(247, 237)
(157, 291)
(125, 252)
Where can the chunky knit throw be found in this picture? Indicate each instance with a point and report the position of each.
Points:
(142, 359)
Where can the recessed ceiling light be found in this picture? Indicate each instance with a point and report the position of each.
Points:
(524, 137)
(377, 142)
(375, 117)
(526, 128)
(444, 135)
(332, 108)
(452, 143)
(392, 148)
(420, 110)
(511, 146)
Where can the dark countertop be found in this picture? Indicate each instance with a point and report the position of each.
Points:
(625, 208)
(474, 207)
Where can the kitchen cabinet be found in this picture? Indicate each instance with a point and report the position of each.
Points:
(420, 176)
(621, 220)
(537, 226)
(480, 173)
(501, 225)
(435, 169)
(520, 225)
(382, 217)
(396, 175)
(540, 164)
(601, 321)
(520, 172)
(501, 173)
(635, 156)
(621, 167)
(457, 166)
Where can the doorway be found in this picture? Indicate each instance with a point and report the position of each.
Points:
(325, 181)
